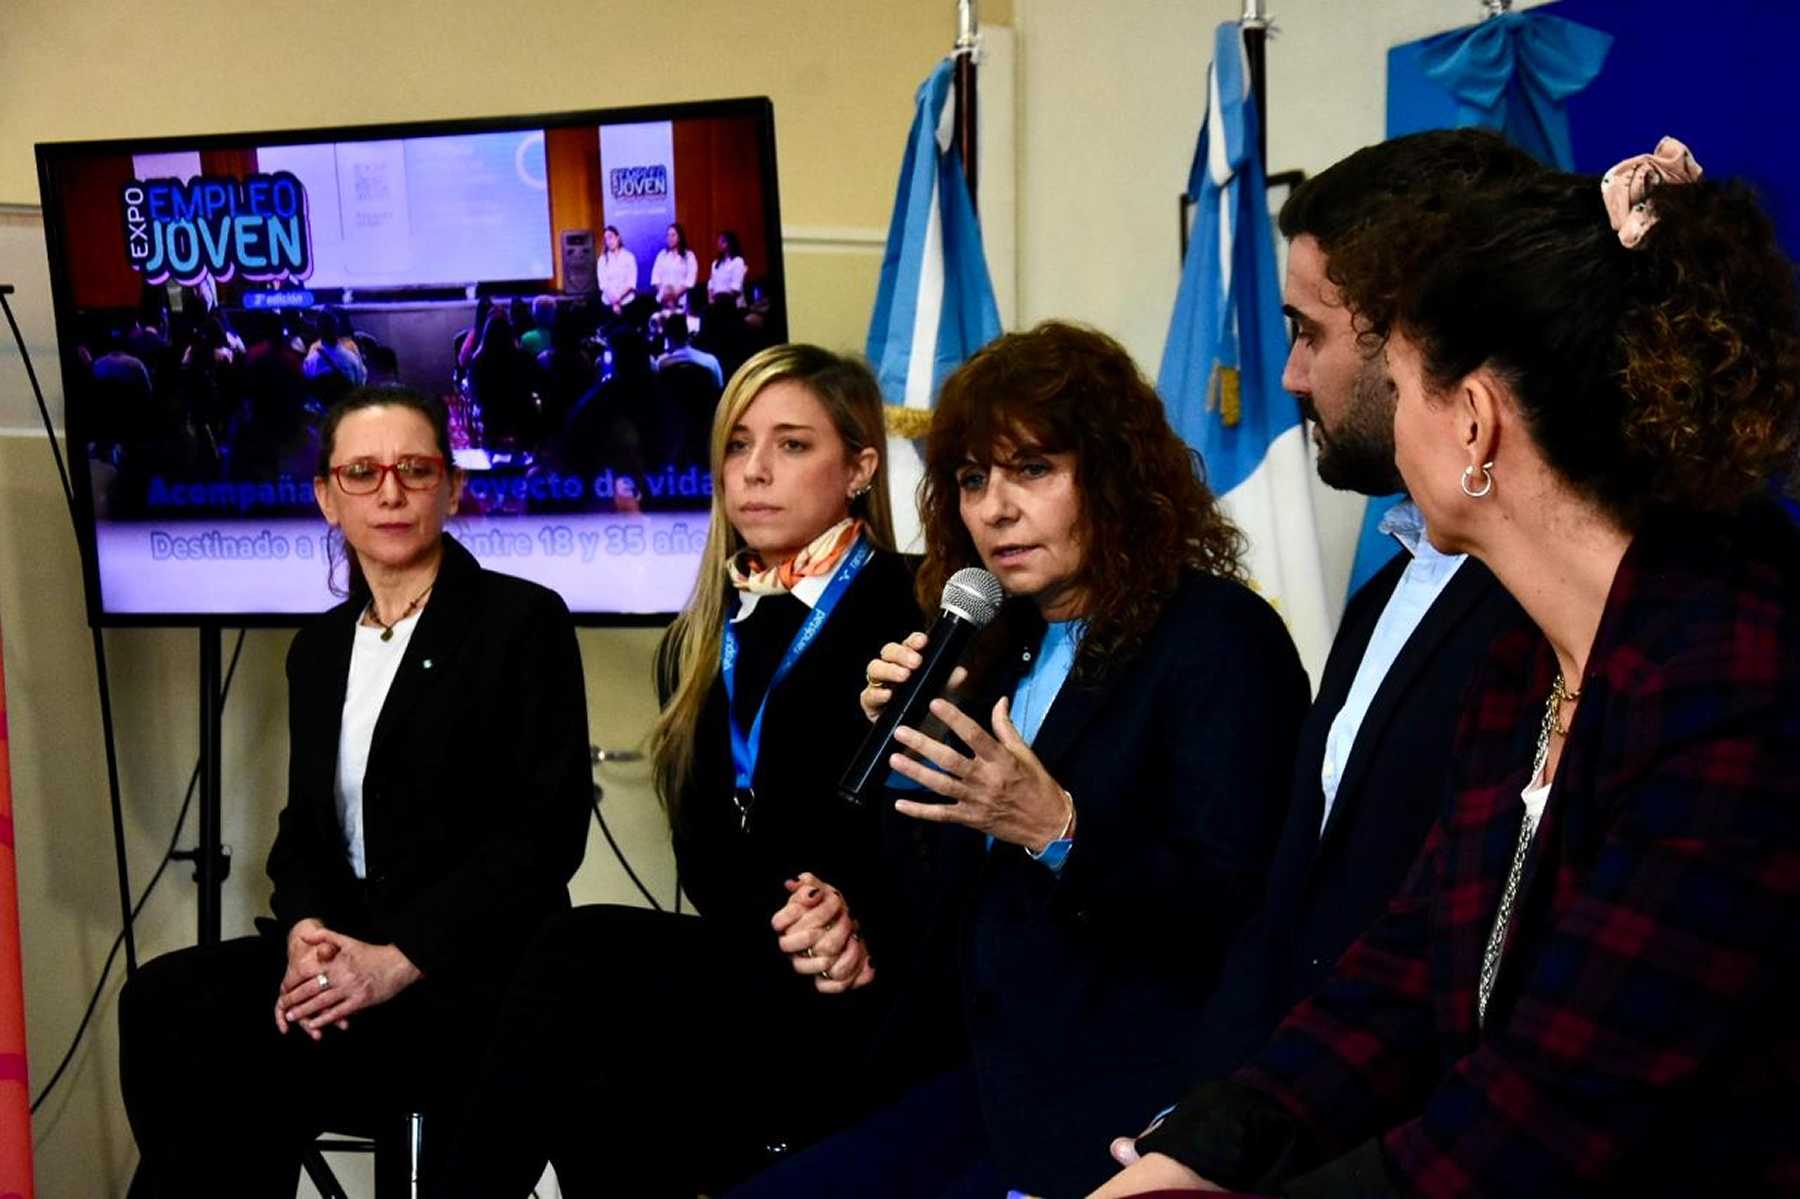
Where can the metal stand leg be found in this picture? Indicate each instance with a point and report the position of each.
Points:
(415, 1135)
(212, 866)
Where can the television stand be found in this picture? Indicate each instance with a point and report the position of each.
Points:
(212, 862)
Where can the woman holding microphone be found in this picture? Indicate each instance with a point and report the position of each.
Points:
(1088, 826)
(644, 1052)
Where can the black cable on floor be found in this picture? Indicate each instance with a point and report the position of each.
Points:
(620, 854)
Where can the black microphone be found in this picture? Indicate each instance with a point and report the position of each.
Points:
(971, 598)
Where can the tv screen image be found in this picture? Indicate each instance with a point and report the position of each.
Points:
(575, 288)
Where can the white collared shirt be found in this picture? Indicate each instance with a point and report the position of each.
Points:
(1423, 580)
(373, 665)
(672, 268)
(618, 275)
(807, 591)
(727, 276)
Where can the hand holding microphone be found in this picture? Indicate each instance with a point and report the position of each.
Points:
(1002, 789)
(893, 668)
(908, 676)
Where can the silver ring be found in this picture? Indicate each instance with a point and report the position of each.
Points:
(807, 952)
(323, 980)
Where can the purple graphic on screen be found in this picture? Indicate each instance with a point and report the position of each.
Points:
(596, 562)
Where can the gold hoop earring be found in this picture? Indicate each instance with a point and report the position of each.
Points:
(1487, 480)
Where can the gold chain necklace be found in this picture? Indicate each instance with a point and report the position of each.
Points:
(1490, 958)
(1559, 695)
(387, 626)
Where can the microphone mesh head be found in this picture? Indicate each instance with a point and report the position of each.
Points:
(973, 594)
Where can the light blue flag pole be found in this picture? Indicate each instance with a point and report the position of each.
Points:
(935, 303)
(1513, 73)
(1221, 368)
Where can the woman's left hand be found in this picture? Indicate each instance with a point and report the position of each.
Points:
(1152, 1173)
(1003, 790)
(361, 976)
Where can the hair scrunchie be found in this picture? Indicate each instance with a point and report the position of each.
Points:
(1626, 188)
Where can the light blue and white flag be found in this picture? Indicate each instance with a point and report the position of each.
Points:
(1222, 363)
(935, 306)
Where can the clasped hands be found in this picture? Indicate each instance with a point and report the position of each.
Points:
(821, 937)
(358, 975)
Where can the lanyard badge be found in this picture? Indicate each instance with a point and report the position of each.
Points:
(746, 747)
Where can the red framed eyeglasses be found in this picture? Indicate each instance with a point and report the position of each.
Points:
(414, 472)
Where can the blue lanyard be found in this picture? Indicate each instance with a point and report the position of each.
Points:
(746, 748)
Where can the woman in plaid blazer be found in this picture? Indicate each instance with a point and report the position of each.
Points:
(1587, 984)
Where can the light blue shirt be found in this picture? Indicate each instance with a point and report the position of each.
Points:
(690, 356)
(1423, 580)
(1055, 660)
(1031, 700)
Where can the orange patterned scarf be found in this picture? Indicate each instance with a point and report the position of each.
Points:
(821, 557)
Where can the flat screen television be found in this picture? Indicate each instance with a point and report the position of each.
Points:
(215, 294)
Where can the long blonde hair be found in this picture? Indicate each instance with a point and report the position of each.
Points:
(851, 397)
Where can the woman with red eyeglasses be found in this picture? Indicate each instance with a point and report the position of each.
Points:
(437, 802)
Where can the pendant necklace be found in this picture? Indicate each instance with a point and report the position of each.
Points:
(387, 626)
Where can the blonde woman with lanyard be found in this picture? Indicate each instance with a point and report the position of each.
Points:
(640, 1050)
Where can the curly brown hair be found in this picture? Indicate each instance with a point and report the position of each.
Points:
(1661, 378)
(1146, 512)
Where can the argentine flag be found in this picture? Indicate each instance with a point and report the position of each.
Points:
(1222, 363)
(935, 305)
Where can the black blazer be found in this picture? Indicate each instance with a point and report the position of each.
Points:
(476, 795)
(1079, 991)
(813, 724)
(1325, 890)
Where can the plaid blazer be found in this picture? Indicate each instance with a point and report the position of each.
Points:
(1644, 1031)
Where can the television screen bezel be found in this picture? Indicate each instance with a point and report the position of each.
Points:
(760, 108)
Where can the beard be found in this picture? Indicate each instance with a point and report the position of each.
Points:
(1358, 455)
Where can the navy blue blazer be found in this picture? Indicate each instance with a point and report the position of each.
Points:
(1079, 991)
(1325, 889)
